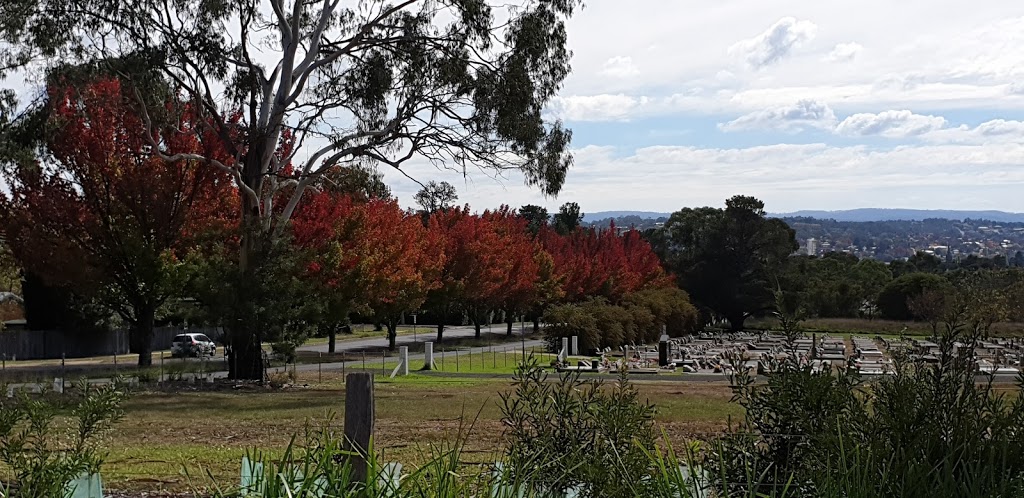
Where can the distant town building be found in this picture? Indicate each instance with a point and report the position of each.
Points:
(812, 247)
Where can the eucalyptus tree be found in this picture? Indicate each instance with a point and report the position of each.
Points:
(294, 88)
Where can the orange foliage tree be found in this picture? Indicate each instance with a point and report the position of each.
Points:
(398, 262)
(105, 217)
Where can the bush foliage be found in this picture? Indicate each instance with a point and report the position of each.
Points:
(639, 318)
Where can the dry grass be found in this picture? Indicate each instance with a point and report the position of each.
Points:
(165, 432)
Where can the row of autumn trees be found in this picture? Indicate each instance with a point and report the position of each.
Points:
(134, 234)
(283, 92)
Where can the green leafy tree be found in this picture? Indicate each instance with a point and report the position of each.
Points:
(10, 272)
(361, 183)
(536, 218)
(987, 297)
(925, 263)
(728, 259)
(434, 197)
(293, 88)
(567, 219)
(894, 298)
(10, 287)
(836, 284)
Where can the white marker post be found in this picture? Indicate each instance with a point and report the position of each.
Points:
(403, 362)
(428, 356)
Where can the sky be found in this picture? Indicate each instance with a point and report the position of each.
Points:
(805, 105)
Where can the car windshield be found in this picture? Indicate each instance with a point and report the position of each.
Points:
(203, 338)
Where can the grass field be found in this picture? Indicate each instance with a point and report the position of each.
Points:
(166, 432)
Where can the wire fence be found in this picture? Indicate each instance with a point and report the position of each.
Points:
(495, 359)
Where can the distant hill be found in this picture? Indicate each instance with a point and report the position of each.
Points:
(882, 214)
(855, 215)
(602, 215)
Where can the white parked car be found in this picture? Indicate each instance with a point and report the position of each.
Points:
(192, 345)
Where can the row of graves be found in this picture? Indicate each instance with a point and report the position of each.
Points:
(994, 356)
(714, 353)
(723, 353)
(868, 358)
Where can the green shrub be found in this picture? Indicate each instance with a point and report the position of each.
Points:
(577, 434)
(284, 351)
(43, 455)
(926, 430)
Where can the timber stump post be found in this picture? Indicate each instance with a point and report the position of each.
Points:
(359, 417)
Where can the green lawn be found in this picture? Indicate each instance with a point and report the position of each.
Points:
(498, 361)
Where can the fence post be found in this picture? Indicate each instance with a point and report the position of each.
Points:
(359, 418)
(319, 370)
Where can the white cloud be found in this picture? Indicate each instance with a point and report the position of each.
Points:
(619, 67)
(802, 115)
(999, 127)
(596, 107)
(775, 43)
(892, 124)
(844, 52)
(1015, 88)
(786, 176)
(900, 82)
(994, 131)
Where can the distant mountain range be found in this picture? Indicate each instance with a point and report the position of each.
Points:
(864, 214)
(603, 215)
(882, 214)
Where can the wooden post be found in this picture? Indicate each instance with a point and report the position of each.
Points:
(359, 418)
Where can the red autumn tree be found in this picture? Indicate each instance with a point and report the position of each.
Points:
(517, 251)
(105, 217)
(447, 229)
(573, 261)
(326, 229)
(603, 263)
(398, 262)
(492, 264)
